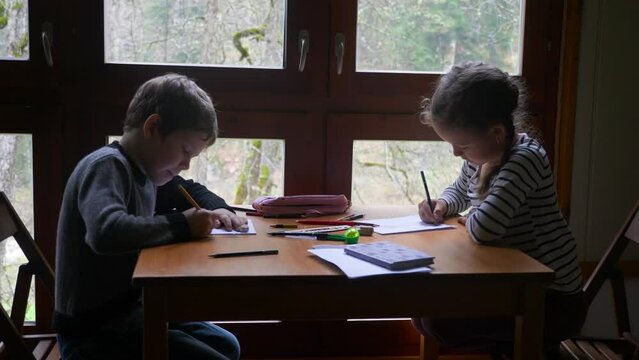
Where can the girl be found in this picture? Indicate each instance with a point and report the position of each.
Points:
(507, 183)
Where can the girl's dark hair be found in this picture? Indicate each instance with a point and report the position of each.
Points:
(475, 96)
(181, 104)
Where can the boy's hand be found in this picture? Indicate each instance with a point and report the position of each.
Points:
(435, 217)
(228, 220)
(201, 222)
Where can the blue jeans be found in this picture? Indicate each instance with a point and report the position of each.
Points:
(121, 338)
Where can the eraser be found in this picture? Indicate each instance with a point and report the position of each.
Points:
(366, 231)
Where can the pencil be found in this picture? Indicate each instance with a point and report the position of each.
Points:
(351, 217)
(188, 197)
(290, 226)
(430, 204)
(245, 253)
(334, 222)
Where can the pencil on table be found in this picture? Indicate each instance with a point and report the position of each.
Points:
(188, 197)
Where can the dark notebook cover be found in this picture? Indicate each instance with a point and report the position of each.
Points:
(390, 255)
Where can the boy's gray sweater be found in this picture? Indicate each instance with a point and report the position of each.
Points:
(107, 216)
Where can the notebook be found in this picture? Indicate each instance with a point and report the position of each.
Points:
(390, 255)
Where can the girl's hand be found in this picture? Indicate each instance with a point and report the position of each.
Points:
(437, 215)
(201, 222)
(228, 220)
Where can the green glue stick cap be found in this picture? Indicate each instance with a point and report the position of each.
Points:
(351, 236)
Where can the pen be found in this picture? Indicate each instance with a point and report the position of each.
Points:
(317, 236)
(351, 217)
(321, 229)
(334, 222)
(238, 208)
(284, 226)
(430, 204)
(188, 197)
(245, 253)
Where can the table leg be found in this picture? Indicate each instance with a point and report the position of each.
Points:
(155, 324)
(529, 328)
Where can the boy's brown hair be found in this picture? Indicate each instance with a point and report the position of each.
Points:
(181, 104)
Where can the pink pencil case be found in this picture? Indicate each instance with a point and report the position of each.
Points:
(306, 205)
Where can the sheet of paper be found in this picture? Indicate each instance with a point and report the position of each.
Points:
(222, 231)
(354, 267)
(404, 224)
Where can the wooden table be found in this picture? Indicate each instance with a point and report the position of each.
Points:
(181, 283)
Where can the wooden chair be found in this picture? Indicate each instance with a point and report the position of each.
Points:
(14, 344)
(625, 346)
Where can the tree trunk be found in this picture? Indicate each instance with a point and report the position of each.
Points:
(7, 184)
(17, 24)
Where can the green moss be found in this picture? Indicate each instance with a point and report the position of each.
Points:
(256, 33)
(19, 48)
(18, 6)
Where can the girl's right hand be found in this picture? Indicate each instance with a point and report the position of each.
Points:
(437, 215)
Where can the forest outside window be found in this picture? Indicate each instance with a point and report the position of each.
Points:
(16, 178)
(432, 35)
(240, 170)
(14, 30)
(387, 172)
(239, 33)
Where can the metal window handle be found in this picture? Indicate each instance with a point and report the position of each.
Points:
(47, 41)
(339, 51)
(303, 42)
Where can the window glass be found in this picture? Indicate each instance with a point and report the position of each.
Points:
(239, 170)
(432, 35)
(16, 177)
(387, 172)
(14, 30)
(238, 33)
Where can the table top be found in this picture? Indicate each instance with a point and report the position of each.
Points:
(455, 254)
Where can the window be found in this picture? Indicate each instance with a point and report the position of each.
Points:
(14, 30)
(16, 177)
(246, 33)
(387, 172)
(241, 170)
(433, 35)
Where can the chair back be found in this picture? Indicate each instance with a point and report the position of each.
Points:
(632, 232)
(13, 342)
(607, 269)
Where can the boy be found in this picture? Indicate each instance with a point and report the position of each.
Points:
(107, 216)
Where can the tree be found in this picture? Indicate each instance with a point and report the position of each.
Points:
(8, 146)
(14, 35)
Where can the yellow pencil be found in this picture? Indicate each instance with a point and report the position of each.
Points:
(188, 197)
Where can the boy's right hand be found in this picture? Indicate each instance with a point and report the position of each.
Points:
(201, 222)
(435, 217)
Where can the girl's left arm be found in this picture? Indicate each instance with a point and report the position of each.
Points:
(522, 174)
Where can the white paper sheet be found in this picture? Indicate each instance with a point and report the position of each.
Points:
(222, 231)
(354, 267)
(404, 224)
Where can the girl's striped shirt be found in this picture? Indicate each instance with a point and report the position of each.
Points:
(520, 210)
